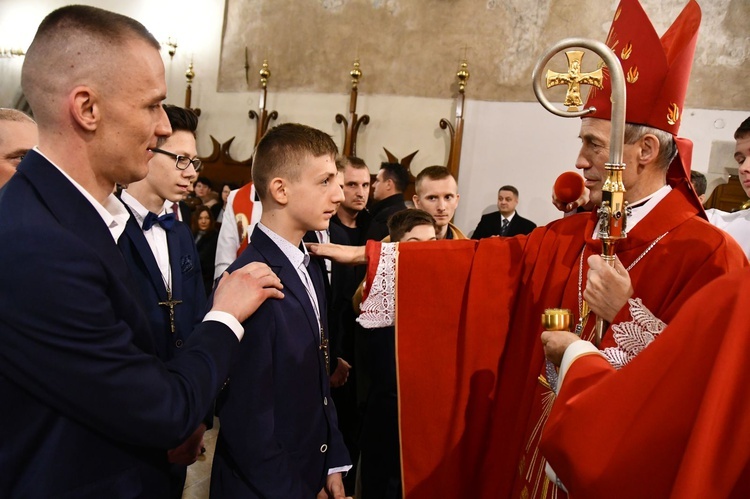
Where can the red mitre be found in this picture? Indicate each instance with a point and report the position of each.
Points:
(656, 72)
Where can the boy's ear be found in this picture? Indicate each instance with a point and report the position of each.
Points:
(277, 189)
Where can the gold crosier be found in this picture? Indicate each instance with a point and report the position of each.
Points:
(612, 213)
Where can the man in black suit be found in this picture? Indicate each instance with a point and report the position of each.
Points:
(93, 408)
(388, 194)
(505, 222)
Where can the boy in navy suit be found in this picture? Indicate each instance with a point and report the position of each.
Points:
(163, 259)
(279, 436)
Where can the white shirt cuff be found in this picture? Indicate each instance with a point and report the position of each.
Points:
(575, 350)
(228, 320)
(342, 469)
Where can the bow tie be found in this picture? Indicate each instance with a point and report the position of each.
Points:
(166, 221)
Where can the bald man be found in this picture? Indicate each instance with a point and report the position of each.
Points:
(91, 409)
(18, 134)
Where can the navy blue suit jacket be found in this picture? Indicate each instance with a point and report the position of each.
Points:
(93, 408)
(279, 434)
(187, 284)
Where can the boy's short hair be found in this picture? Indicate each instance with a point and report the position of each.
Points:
(433, 173)
(743, 130)
(283, 148)
(699, 182)
(180, 119)
(403, 221)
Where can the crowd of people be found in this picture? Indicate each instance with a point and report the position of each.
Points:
(351, 345)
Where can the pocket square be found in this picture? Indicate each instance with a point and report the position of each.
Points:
(186, 263)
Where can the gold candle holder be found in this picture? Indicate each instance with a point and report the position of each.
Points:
(557, 319)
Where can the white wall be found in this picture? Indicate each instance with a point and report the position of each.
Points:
(504, 143)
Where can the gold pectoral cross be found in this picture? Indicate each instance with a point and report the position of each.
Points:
(574, 79)
(170, 303)
(324, 347)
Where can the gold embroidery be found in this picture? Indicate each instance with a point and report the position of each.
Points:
(633, 74)
(673, 114)
(626, 51)
(617, 14)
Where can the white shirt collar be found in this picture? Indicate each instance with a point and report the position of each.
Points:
(113, 213)
(294, 254)
(138, 209)
(645, 205)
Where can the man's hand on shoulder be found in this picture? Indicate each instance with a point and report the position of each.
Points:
(339, 253)
(244, 290)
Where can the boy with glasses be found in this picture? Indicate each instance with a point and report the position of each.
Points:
(163, 259)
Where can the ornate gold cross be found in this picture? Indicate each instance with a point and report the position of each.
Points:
(170, 303)
(324, 347)
(574, 79)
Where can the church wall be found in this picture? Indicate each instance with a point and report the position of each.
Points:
(515, 143)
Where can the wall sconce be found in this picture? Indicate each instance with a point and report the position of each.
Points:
(7, 52)
(172, 44)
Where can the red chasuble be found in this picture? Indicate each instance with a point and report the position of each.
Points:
(674, 422)
(467, 334)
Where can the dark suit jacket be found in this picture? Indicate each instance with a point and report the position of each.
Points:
(187, 284)
(339, 294)
(279, 434)
(207, 256)
(380, 213)
(93, 408)
(491, 224)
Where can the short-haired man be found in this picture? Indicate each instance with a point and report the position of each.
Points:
(279, 434)
(352, 214)
(18, 134)
(505, 222)
(436, 192)
(97, 407)
(162, 257)
(737, 224)
(699, 184)
(388, 194)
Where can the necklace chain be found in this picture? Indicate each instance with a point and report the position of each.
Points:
(582, 306)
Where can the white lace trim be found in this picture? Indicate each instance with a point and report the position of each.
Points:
(379, 308)
(633, 337)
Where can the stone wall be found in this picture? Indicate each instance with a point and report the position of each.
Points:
(414, 47)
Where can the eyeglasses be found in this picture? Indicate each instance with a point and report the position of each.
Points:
(181, 162)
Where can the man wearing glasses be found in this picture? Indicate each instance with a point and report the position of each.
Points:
(162, 257)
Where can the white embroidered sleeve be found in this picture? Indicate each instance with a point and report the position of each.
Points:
(634, 336)
(379, 308)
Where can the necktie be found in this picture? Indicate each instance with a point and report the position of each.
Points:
(166, 221)
(176, 209)
(504, 227)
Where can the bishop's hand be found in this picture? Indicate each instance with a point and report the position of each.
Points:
(555, 343)
(607, 288)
